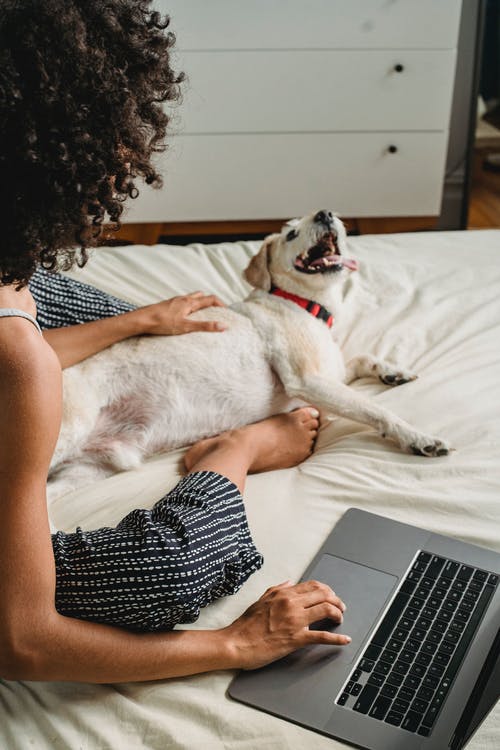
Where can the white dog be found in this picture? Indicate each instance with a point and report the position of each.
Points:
(155, 393)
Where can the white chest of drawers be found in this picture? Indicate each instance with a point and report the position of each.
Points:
(297, 104)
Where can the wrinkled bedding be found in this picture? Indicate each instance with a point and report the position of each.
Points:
(430, 301)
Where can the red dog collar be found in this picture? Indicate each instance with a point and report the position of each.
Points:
(307, 304)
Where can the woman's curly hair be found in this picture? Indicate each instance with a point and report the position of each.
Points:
(81, 89)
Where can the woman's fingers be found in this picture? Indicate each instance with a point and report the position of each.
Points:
(213, 326)
(325, 637)
(198, 301)
(315, 592)
(323, 611)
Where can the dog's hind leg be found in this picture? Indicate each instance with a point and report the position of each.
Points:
(367, 366)
(339, 399)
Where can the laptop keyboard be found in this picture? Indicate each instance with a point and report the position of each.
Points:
(406, 671)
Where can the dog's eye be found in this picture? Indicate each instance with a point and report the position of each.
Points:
(292, 234)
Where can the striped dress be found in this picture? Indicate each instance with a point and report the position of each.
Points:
(157, 568)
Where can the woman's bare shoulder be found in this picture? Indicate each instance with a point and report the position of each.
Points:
(24, 354)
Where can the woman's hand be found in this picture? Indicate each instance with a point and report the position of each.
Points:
(278, 623)
(171, 316)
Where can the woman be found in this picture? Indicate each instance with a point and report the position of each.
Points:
(81, 86)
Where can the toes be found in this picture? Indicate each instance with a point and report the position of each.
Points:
(435, 448)
(397, 378)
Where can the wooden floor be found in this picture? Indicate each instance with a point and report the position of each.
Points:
(484, 212)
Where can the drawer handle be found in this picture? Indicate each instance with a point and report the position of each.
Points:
(392, 149)
(399, 68)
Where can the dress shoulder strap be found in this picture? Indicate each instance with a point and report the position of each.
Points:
(12, 312)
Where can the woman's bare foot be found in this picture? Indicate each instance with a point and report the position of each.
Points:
(278, 442)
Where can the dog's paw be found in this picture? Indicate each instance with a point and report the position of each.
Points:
(398, 377)
(429, 446)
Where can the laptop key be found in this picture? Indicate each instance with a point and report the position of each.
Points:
(435, 567)
(365, 699)
(380, 707)
(406, 694)
(394, 645)
(424, 557)
(372, 652)
(433, 636)
(493, 579)
(408, 587)
(400, 634)
(424, 731)
(418, 670)
(419, 706)
(419, 567)
(400, 706)
(412, 645)
(425, 694)
(343, 699)
(356, 675)
(366, 665)
(475, 586)
(356, 689)
(407, 655)
(388, 690)
(376, 679)
(388, 656)
(431, 715)
(412, 682)
(430, 681)
(394, 718)
(386, 627)
(480, 575)
(423, 659)
(450, 569)
(439, 626)
(382, 667)
(401, 667)
(395, 679)
(464, 573)
(418, 634)
(411, 721)
(446, 648)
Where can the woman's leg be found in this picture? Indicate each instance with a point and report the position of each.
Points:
(159, 567)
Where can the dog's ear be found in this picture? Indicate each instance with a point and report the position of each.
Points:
(257, 272)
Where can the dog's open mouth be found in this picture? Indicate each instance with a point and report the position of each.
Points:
(324, 256)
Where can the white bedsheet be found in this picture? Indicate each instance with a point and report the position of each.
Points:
(431, 301)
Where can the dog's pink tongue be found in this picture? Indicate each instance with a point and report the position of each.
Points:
(347, 262)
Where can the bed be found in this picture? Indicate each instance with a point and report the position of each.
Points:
(430, 300)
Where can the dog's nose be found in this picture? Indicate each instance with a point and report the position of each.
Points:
(324, 217)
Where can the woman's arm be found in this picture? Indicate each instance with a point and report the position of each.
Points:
(36, 643)
(72, 344)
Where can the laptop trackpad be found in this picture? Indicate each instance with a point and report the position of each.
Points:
(363, 590)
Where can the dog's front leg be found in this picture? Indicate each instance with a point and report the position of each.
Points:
(342, 400)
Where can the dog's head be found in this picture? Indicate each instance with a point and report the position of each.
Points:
(307, 256)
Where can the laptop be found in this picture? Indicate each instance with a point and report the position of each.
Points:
(423, 667)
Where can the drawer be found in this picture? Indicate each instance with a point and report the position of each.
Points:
(313, 24)
(314, 91)
(222, 177)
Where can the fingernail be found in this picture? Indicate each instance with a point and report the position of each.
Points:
(348, 638)
(220, 327)
(314, 412)
(343, 607)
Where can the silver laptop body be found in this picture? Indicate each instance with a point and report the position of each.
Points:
(423, 611)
